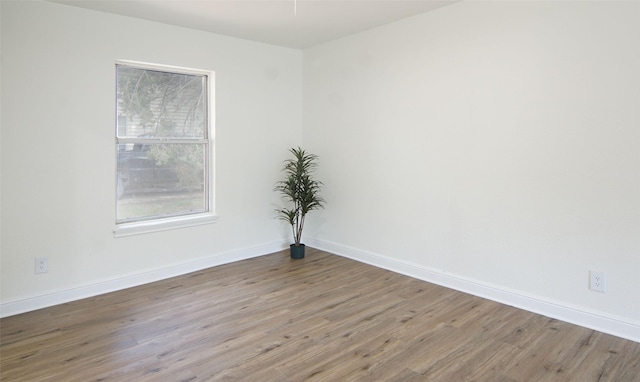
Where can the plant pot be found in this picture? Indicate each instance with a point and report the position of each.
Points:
(297, 251)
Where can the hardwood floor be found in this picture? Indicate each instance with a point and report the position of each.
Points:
(324, 318)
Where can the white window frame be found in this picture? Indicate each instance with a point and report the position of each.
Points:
(185, 220)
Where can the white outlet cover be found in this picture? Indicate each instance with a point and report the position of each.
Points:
(597, 281)
(42, 265)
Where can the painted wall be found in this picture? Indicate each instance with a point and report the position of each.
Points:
(58, 156)
(497, 143)
(489, 142)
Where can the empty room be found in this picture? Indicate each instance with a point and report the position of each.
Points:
(474, 165)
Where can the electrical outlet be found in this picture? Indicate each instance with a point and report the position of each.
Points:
(42, 265)
(597, 281)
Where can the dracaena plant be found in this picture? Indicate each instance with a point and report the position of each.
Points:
(300, 190)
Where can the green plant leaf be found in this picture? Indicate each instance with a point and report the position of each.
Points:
(300, 189)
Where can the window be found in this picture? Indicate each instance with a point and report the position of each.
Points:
(163, 148)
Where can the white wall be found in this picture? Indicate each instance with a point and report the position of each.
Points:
(488, 145)
(495, 143)
(58, 157)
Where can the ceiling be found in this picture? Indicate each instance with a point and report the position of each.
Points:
(289, 23)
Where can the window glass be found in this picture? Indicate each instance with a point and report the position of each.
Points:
(162, 145)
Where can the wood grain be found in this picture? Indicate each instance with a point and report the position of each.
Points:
(324, 318)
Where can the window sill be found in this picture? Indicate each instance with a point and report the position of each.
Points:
(138, 228)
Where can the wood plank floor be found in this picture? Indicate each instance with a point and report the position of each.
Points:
(324, 318)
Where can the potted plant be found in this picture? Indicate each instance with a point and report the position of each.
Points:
(302, 192)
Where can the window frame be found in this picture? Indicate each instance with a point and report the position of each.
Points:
(162, 223)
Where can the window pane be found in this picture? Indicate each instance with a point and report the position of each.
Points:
(156, 180)
(155, 104)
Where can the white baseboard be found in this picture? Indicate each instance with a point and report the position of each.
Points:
(607, 324)
(59, 297)
(612, 325)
